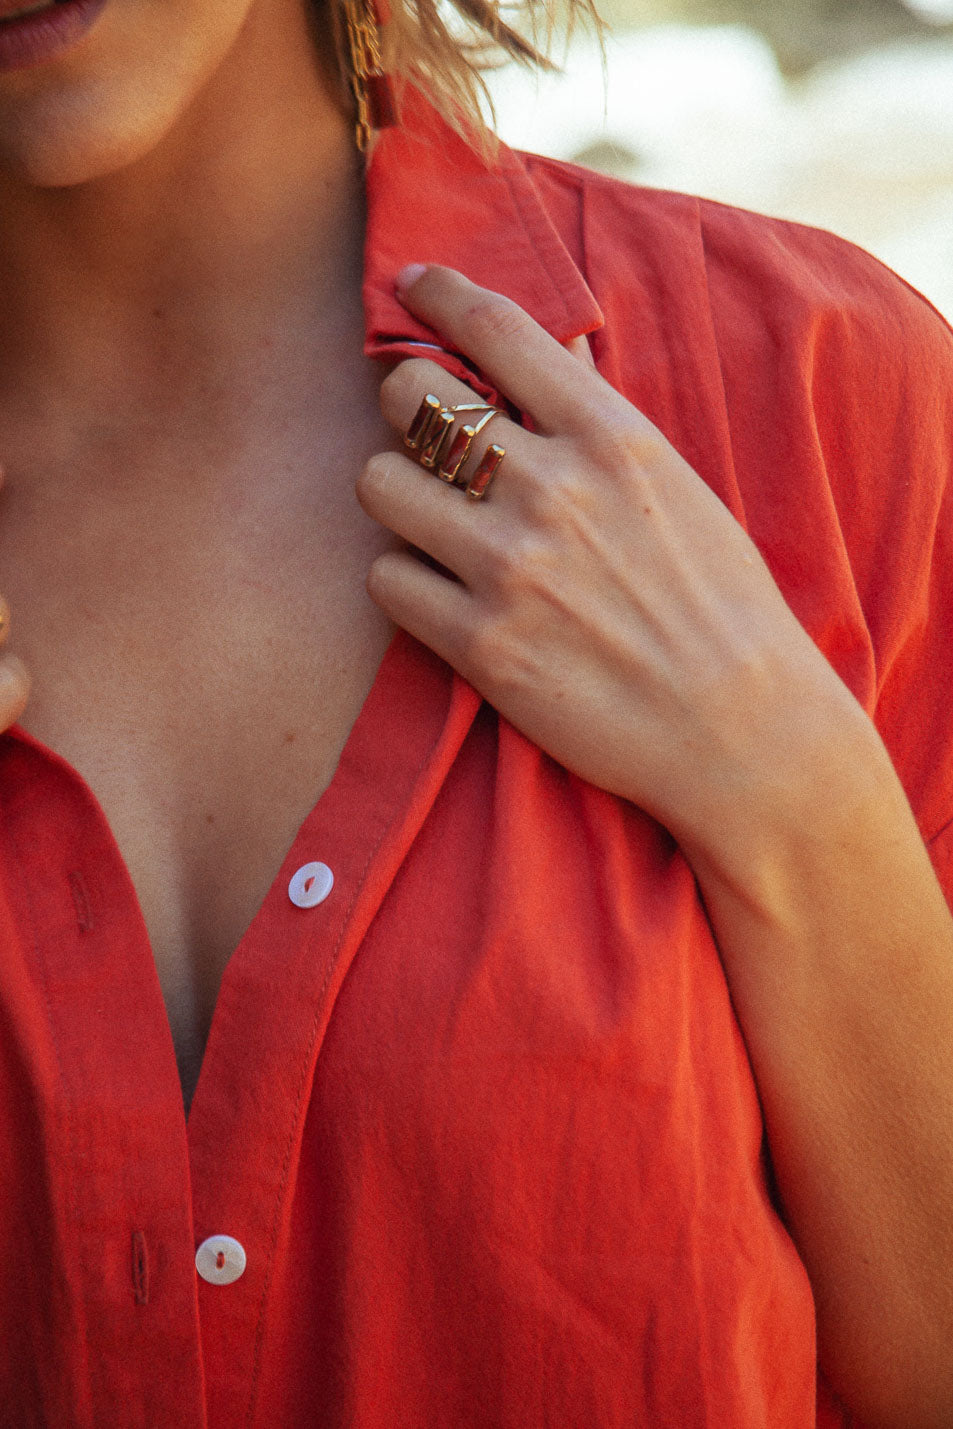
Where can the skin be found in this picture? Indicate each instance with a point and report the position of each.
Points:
(181, 227)
(666, 635)
(177, 279)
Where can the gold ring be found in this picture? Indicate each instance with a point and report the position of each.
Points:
(462, 445)
(429, 408)
(429, 438)
(479, 482)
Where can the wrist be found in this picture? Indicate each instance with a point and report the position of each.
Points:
(823, 792)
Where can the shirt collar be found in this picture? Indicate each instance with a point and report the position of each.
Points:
(432, 199)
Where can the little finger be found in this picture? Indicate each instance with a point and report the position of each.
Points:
(435, 610)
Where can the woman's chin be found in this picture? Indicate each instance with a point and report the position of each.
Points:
(69, 164)
(51, 141)
(115, 98)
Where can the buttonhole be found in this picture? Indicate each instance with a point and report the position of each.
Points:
(220, 1260)
(84, 917)
(140, 1268)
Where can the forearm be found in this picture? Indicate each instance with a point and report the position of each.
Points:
(656, 657)
(838, 948)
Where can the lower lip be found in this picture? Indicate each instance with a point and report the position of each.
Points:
(46, 33)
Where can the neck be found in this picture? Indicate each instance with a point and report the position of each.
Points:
(242, 227)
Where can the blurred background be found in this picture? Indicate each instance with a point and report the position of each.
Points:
(837, 113)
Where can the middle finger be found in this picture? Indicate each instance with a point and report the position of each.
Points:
(414, 503)
(404, 389)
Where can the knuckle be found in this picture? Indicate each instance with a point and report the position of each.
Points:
(623, 447)
(559, 496)
(513, 563)
(496, 318)
(495, 659)
(407, 382)
(556, 497)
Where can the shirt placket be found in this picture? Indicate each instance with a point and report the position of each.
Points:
(106, 1117)
(248, 1116)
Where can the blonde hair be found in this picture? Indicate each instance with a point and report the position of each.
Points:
(444, 47)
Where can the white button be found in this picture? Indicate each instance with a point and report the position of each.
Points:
(310, 885)
(220, 1259)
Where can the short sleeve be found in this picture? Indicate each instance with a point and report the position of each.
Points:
(840, 396)
(812, 390)
(914, 708)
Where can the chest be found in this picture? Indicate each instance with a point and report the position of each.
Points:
(200, 663)
(499, 1059)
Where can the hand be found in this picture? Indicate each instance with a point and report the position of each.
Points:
(611, 608)
(606, 602)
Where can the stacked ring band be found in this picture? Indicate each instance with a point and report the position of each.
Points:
(438, 448)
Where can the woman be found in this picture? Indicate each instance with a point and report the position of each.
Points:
(523, 926)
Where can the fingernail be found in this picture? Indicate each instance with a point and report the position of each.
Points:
(408, 276)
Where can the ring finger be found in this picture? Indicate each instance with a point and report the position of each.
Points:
(405, 389)
(401, 494)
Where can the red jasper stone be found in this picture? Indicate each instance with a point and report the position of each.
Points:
(380, 101)
(457, 455)
(485, 472)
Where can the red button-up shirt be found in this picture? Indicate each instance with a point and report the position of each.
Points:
(482, 1120)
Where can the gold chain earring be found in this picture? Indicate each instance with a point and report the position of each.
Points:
(370, 84)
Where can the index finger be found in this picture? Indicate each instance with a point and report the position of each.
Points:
(519, 357)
